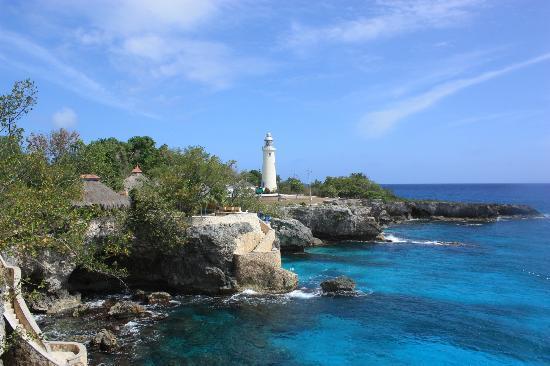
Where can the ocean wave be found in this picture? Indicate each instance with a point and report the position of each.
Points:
(390, 238)
(539, 275)
(96, 303)
(394, 239)
(131, 327)
(303, 294)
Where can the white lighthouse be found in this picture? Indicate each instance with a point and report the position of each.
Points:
(269, 174)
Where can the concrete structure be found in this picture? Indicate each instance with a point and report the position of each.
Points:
(32, 349)
(256, 258)
(269, 174)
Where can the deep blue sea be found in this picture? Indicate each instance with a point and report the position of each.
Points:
(439, 294)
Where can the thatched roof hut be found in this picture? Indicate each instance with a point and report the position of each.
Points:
(97, 193)
(135, 180)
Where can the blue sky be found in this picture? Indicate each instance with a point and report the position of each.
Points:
(404, 91)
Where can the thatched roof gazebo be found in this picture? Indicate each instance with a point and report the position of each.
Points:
(97, 193)
(134, 180)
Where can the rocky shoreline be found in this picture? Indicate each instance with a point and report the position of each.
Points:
(226, 256)
(364, 220)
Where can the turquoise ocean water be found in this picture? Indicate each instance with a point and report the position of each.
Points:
(439, 294)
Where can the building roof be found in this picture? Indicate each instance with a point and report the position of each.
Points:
(136, 170)
(89, 177)
(134, 181)
(97, 193)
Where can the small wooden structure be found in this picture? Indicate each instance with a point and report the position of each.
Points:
(228, 210)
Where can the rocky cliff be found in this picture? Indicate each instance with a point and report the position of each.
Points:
(354, 219)
(221, 255)
(292, 235)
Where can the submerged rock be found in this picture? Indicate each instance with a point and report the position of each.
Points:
(105, 340)
(159, 298)
(126, 309)
(140, 296)
(260, 271)
(338, 286)
(59, 302)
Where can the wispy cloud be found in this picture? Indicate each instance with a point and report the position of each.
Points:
(41, 61)
(210, 63)
(392, 18)
(130, 17)
(509, 115)
(378, 123)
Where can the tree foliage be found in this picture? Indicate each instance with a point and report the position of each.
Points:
(253, 177)
(291, 185)
(15, 105)
(356, 185)
(192, 179)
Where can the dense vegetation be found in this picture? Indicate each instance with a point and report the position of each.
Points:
(39, 183)
(356, 185)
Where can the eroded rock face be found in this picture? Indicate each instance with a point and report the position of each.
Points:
(59, 302)
(338, 286)
(159, 298)
(206, 263)
(337, 222)
(125, 310)
(105, 340)
(362, 219)
(292, 235)
(262, 272)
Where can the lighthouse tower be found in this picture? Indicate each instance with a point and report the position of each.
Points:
(269, 174)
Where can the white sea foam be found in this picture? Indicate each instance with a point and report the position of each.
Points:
(131, 327)
(301, 294)
(436, 242)
(249, 292)
(96, 304)
(394, 239)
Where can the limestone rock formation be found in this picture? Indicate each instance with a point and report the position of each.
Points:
(125, 310)
(55, 303)
(338, 286)
(362, 219)
(260, 271)
(292, 235)
(337, 222)
(105, 340)
(159, 298)
(206, 263)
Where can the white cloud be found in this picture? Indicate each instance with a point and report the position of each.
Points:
(393, 18)
(129, 17)
(378, 123)
(158, 38)
(40, 61)
(65, 118)
(210, 63)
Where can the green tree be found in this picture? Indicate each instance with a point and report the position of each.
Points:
(57, 146)
(142, 152)
(192, 179)
(253, 177)
(356, 185)
(15, 105)
(107, 158)
(291, 186)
